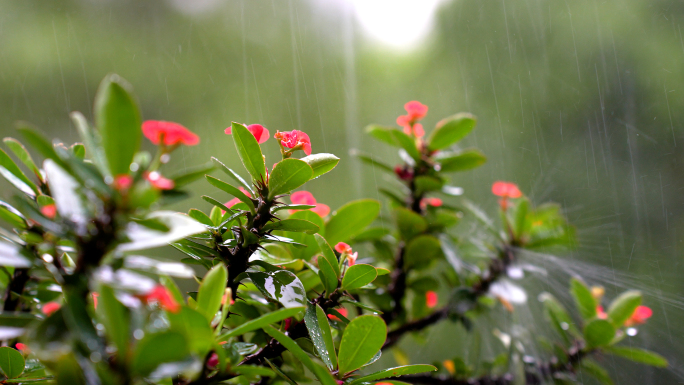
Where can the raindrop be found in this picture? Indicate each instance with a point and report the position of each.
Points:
(134, 167)
(564, 326)
(632, 332)
(95, 357)
(109, 179)
(47, 258)
(138, 334)
(165, 158)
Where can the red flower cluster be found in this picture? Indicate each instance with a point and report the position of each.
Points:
(415, 111)
(260, 132)
(172, 133)
(161, 295)
(306, 198)
(294, 139)
(639, 317)
(346, 251)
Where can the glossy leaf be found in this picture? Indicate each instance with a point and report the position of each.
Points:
(20, 151)
(11, 362)
(327, 274)
(362, 339)
(461, 161)
(115, 318)
(638, 355)
(211, 291)
(328, 254)
(118, 121)
(623, 307)
(249, 151)
(407, 143)
(296, 225)
(450, 131)
(91, 141)
(351, 219)
(200, 217)
(323, 375)
(10, 171)
(231, 173)
(319, 330)
(409, 223)
(321, 163)
(394, 372)
(280, 286)
(234, 191)
(261, 322)
(586, 304)
(421, 250)
(179, 225)
(599, 332)
(358, 276)
(195, 327)
(39, 142)
(159, 348)
(287, 175)
(558, 316)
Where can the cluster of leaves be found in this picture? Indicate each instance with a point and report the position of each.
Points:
(285, 298)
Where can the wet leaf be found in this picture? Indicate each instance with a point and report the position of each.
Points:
(11, 362)
(321, 163)
(20, 151)
(319, 330)
(638, 355)
(159, 348)
(280, 286)
(287, 175)
(234, 191)
(296, 225)
(351, 219)
(115, 318)
(329, 255)
(450, 131)
(599, 332)
(261, 322)
(231, 173)
(211, 291)
(141, 237)
(394, 372)
(421, 251)
(586, 304)
(358, 276)
(409, 223)
(362, 339)
(623, 307)
(249, 151)
(118, 121)
(460, 161)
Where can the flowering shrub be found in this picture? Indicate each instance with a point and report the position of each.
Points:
(292, 293)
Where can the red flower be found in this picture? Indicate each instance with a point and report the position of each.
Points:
(415, 130)
(342, 248)
(306, 198)
(294, 138)
(50, 308)
(260, 132)
(640, 315)
(161, 295)
(213, 360)
(173, 133)
(403, 172)
(342, 311)
(235, 201)
(49, 210)
(123, 182)
(416, 110)
(434, 202)
(506, 190)
(431, 299)
(158, 181)
(21, 346)
(95, 296)
(600, 314)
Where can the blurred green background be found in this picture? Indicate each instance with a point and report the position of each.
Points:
(578, 102)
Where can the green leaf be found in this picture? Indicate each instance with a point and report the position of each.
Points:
(321, 335)
(159, 348)
(321, 163)
(253, 370)
(190, 175)
(117, 119)
(115, 318)
(599, 332)
(280, 286)
(287, 175)
(323, 375)
(211, 291)
(234, 191)
(39, 142)
(249, 151)
(558, 316)
(407, 143)
(461, 161)
(327, 274)
(329, 255)
(420, 251)
(394, 372)
(586, 304)
(91, 142)
(10, 171)
(351, 219)
(383, 134)
(11, 362)
(368, 159)
(20, 151)
(200, 217)
(593, 369)
(362, 339)
(623, 307)
(12, 216)
(638, 355)
(450, 131)
(195, 327)
(409, 223)
(261, 322)
(297, 225)
(426, 183)
(233, 175)
(218, 205)
(358, 276)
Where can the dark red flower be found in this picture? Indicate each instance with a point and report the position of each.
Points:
(403, 172)
(294, 138)
(260, 132)
(213, 360)
(173, 133)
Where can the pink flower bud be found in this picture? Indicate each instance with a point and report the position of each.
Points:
(173, 133)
